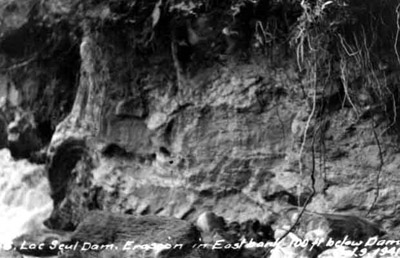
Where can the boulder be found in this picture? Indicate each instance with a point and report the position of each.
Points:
(338, 226)
(121, 235)
(156, 120)
(208, 221)
(327, 226)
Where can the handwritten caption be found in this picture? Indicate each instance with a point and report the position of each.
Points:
(358, 248)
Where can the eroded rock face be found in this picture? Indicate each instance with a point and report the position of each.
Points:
(227, 135)
(229, 139)
(221, 141)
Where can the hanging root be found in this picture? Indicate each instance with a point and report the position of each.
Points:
(378, 174)
(281, 122)
(178, 67)
(397, 32)
(19, 65)
(312, 176)
(343, 77)
(308, 121)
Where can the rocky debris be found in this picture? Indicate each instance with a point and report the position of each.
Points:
(341, 225)
(311, 238)
(254, 229)
(211, 225)
(138, 234)
(288, 249)
(325, 225)
(229, 240)
(320, 232)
